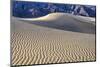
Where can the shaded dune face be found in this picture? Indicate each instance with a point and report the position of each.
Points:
(66, 22)
(33, 43)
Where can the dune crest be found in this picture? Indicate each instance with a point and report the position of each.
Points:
(64, 21)
(54, 16)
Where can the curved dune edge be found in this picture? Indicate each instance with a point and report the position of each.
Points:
(33, 44)
(54, 16)
(64, 21)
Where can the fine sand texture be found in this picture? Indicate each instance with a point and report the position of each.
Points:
(55, 38)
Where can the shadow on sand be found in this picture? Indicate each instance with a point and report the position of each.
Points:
(72, 25)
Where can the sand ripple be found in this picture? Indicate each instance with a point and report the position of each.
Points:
(32, 44)
(51, 47)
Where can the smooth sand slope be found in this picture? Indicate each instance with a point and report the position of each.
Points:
(66, 21)
(55, 38)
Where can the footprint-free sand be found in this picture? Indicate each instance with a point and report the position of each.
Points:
(55, 38)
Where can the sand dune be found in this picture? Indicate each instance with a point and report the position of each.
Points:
(66, 21)
(45, 40)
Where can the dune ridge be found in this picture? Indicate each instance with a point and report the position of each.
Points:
(65, 22)
(54, 16)
(32, 43)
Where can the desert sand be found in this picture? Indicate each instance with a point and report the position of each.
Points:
(55, 38)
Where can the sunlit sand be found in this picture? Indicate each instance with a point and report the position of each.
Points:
(55, 38)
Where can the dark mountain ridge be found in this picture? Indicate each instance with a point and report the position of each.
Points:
(26, 9)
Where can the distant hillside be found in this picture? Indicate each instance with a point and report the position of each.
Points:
(37, 9)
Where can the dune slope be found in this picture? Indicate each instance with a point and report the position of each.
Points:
(35, 42)
(66, 21)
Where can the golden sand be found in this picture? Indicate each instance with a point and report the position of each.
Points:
(35, 44)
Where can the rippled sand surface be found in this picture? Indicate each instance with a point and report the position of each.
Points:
(33, 43)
